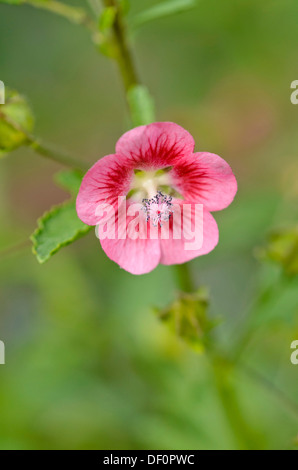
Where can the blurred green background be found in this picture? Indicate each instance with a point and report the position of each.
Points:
(88, 365)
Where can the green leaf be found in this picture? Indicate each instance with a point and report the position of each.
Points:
(57, 228)
(16, 121)
(282, 248)
(188, 318)
(141, 105)
(162, 11)
(107, 18)
(70, 180)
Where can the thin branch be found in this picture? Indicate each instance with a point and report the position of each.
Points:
(48, 151)
(73, 14)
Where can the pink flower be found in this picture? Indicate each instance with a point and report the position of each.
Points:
(156, 166)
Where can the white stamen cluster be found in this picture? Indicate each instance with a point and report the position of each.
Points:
(159, 208)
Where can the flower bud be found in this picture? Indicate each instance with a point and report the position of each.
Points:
(16, 121)
(188, 318)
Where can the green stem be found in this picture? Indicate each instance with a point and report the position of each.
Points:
(46, 150)
(183, 277)
(123, 55)
(56, 155)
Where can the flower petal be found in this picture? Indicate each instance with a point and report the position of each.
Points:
(137, 256)
(156, 145)
(203, 237)
(205, 178)
(108, 179)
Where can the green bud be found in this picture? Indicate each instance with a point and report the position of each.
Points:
(188, 318)
(16, 120)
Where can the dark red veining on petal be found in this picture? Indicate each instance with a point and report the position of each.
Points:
(190, 180)
(159, 154)
(114, 183)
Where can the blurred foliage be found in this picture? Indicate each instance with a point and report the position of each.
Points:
(16, 120)
(283, 249)
(88, 365)
(187, 317)
(12, 2)
(163, 10)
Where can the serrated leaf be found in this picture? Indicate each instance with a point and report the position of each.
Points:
(107, 18)
(70, 180)
(162, 11)
(188, 318)
(57, 228)
(282, 248)
(141, 105)
(16, 120)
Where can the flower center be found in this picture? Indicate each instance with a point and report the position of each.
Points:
(158, 208)
(147, 184)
